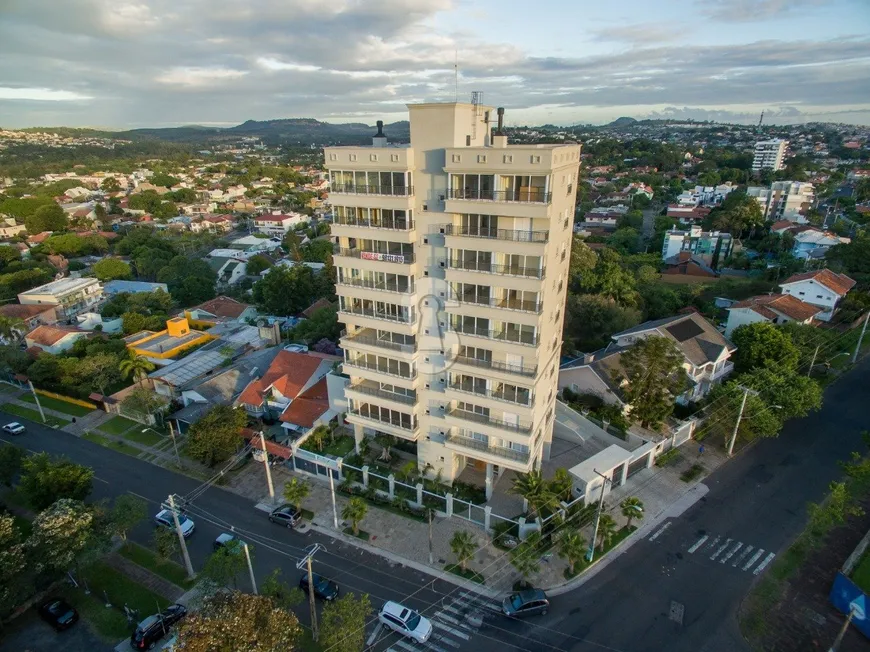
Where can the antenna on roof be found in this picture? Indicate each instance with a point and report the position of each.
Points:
(761, 119)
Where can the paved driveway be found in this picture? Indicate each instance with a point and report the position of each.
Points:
(29, 633)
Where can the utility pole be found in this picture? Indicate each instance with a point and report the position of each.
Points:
(181, 540)
(604, 481)
(268, 470)
(175, 444)
(306, 561)
(36, 398)
(843, 630)
(746, 393)
(250, 568)
(854, 355)
(332, 495)
(813, 363)
(431, 554)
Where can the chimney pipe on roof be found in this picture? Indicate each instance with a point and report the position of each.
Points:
(499, 140)
(380, 133)
(379, 139)
(500, 112)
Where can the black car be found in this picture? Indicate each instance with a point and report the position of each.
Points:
(58, 614)
(324, 589)
(286, 515)
(155, 627)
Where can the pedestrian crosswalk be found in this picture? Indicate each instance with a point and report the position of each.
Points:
(451, 626)
(728, 551)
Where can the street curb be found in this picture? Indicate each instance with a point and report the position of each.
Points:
(409, 563)
(674, 510)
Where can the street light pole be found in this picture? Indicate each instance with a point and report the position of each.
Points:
(813, 363)
(39, 405)
(306, 561)
(332, 495)
(604, 482)
(860, 338)
(746, 392)
(181, 540)
(174, 443)
(268, 470)
(250, 568)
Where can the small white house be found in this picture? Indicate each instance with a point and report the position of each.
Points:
(53, 339)
(773, 309)
(822, 288)
(279, 224)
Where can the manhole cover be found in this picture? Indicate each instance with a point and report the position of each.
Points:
(676, 613)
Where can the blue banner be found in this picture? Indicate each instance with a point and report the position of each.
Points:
(846, 597)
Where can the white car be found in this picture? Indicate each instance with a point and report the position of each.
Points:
(14, 428)
(406, 622)
(164, 519)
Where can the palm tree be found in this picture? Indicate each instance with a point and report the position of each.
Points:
(408, 471)
(606, 529)
(525, 556)
(296, 491)
(535, 490)
(11, 328)
(317, 436)
(572, 547)
(355, 511)
(561, 484)
(463, 546)
(632, 507)
(136, 367)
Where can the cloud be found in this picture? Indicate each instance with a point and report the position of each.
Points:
(40, 95)
(754, 10)
(220, 61)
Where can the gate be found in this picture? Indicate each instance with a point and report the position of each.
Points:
(469, 511)
(637, 465)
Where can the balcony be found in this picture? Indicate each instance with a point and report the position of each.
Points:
(521, 370)
(388, 191)
(365, 339)
(369, 390)
(401, 259)
(712, 376)
(380, 369)
(518, 337)
(482, 447)
(389, 225)
(526, 195)
(507, 304)
(377, 314)
(493, 268)
(406, 429)
(372, 285)
(523, 397)
(474, 417)
(497, 234)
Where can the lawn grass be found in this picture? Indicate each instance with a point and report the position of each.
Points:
(146, 558)
(119, 446)
(57, 405)
(117, 425)
(362, 534)
(861, 574)
(33, 415)
(111, 622)
(342, 446)
(467, 574)
(146, 438)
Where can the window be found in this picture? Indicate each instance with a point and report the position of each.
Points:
(819, 296)
(801, 293)
(481, 158)
(394, 158)
(457, 158)
(468, 141)
(508, 158)
(535, 158)
(353, 157)
(373, 157)
(333, 157)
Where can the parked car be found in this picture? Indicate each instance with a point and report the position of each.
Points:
(14, 428)
(286, 515)
(58, 614)
(226, 540)
(531, 602)
(323, 588)
(406, 622)
(155, 627)
(164, 519)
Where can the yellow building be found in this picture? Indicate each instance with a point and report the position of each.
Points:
(168, 343)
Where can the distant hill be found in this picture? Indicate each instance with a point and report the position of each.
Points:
(302, 131)
(622, 122)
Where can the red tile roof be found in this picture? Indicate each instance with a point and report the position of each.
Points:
(19, 311)
(308, 406)
(49, 335)
(839, 283)
(272, 218)
(223, 307)
(784, 304)
(314, 307)
(39, 237)
(288, 374)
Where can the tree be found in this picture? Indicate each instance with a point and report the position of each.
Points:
(110, 184)
(317, 437)
(737, 213)
(291, 243)
(572, 548)
(343, 623)
(102, 217)
(525, 558)
(759, 419)
(296, 491)
(136, 367)
(226, 618)
(166, 544)
(653, 368)
(606, 530)
(256, 264)
(60, 532)
(793, 393)
(127, 512)
(355, 511)
(632, 508)
(11, 458)
(217, 436)
(222, 567)
(164, 180)
(285, 290)
(11, 328)
(101, 371)
(323, 324)
(625, 241)
(145, 402)
(132, 322)
(46, 218)
(535, 490)
(763, 346)
(110, 269)
(561, 485)
(12, 563)
(659, 300)
(45, 480)
(316, 251)
(610, 279)
(591, 319)
(283, 595)
(463, 546)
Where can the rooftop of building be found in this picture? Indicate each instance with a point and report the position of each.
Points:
(222, 306)
(24, 311)
(784, 304)
(50, 335)
(62, 286)
(839, 283)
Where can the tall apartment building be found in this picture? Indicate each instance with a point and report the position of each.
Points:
(69, 296)
(784, 200)
(769, 155)
(452, 260)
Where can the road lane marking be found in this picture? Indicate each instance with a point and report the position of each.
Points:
(453, 609)
(451, 630)
(742, 556)
(720, 549)
(764, 564)
(698, 543)
(659, 531)
(731, 552)
(753, 559)
(374, 634)
(712, 544)
(101, 480)
(429, 644)
(406, 646)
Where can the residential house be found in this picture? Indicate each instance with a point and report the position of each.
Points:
(70, 296)
(221, 309)
(230, 265)
(278, 224)
(111, 288)
(170, 380)
(688, 214)
(8, 228)
(784, 200)
(809, 242)
(771, 308)
(292, 377)
(166, 344)
(53, 339)
(708, 246)
(688, 264)
(822, 288)
(31, 315)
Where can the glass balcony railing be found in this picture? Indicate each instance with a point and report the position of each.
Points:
(501, 335)
(494, 268)
(518, 395)
(496, 234)
(407, 288)
(484, 447)
(389, 370)
(508, 304)
(402, 259)
(392, 225)
(474, 417)
(377, 314)
(522, 370)
(355, 189)
(368, 390)
(527, 195)
(369, 339)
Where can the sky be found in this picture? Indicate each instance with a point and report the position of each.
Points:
(123, 64)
